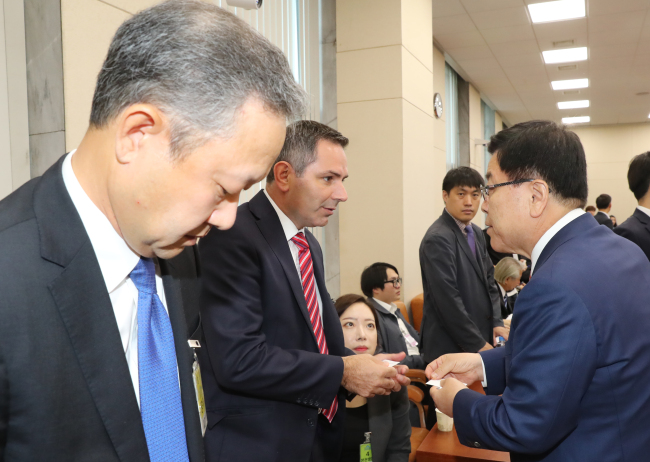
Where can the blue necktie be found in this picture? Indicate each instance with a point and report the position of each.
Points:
(471, 240)
(160, 395)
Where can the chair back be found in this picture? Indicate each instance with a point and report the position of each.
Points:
(417, 305)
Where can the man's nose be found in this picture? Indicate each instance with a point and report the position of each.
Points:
(223, 217)
(484, 206)
(340, 194)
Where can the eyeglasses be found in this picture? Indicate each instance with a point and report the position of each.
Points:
(485, 190)
(396, 282)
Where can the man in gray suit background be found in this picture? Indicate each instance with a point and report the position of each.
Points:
(99, 273)
(461, 301)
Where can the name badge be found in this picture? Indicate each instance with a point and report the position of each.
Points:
(200, 397)
(410, 340)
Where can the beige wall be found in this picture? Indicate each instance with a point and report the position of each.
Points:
(387, 74)
(609, 149)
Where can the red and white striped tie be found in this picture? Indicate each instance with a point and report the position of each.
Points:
(309, 288)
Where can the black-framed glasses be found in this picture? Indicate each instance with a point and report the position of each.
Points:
(396, 282)
(485, 190)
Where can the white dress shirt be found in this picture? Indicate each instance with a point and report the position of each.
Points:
(539, 247)
(644, 210)
(116, 261)
(411, 343)
(290, 230)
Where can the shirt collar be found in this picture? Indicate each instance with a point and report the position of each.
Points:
(552, 231)
(460, 224)
(502, 290)
(288, 226)
(390, 307)
(116, 260)
(644, 210)
(604, 213)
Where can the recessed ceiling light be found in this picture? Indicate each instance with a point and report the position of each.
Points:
(575, 120)
(573, 104)
(569, 84)
(565, 55)
(560, 10)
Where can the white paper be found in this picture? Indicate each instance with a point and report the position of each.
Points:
(391, 363)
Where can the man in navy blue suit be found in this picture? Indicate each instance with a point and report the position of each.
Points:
(574, 377)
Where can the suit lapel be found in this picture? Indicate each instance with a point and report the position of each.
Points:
(643, 218)
(184, 354)
(331, 323)
(575, 228)
(462, 241)
(84, 306)
(269, 225)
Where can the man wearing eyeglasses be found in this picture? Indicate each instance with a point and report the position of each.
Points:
(380, 282)
(462, 309)
(571, 384)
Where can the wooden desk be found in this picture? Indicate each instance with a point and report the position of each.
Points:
(444, 446)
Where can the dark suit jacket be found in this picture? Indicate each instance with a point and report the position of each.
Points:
(65, 389)
(603, 219)
(574, 373)
(391, 336)
(461, 299)
(264, 378)
(390, 426)
(637, 229)
(507, 308)
(497, 256)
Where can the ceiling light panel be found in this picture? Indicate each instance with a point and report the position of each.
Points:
(569, 84)
(573, 104)
(576, 120)
(566, 55)
(560, 10)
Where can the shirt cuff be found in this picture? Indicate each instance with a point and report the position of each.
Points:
(484, 381)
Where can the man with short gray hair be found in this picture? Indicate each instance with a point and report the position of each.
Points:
(99, 305)
(275, 366)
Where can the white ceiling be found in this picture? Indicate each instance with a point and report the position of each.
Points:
(498, 48)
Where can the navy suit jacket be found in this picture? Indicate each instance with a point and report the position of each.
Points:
(263, 375)
(65, 389)
(575, 372)
(636, 229)
(603, 219)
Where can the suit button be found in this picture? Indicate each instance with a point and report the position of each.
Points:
(311, 422)
(477, 444)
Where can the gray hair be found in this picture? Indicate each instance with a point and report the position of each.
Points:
(507, 267)
(299, 149)
(198, 64)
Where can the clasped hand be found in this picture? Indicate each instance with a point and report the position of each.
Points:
(456, 370)
(368, 375)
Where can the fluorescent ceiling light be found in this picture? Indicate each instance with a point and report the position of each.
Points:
(573, 104)
(575, 120)
(560, 10)
(569, 84)
(565, 55)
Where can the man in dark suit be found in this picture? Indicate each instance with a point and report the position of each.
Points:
(571, 384)
(99, 285)
(604, 204)
(462, 311)
(275, 367)
(637, 227)
(380, 282)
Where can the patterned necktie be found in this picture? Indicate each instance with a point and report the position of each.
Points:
(160, 396)
(309, 288)
(471, 239)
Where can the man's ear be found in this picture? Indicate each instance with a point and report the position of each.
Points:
(539, 198)
(136, 126)
(375, 291)
(283, 171)
(445, 196)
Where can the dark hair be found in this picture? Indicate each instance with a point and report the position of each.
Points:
(346, 301)
(198, 64)
(299, 148)
(546, 150)
(638, 176)
(590, 208)
(374, 277)
(603, 201)
(462, 176)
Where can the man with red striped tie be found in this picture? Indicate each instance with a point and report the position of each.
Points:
(274, 366)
